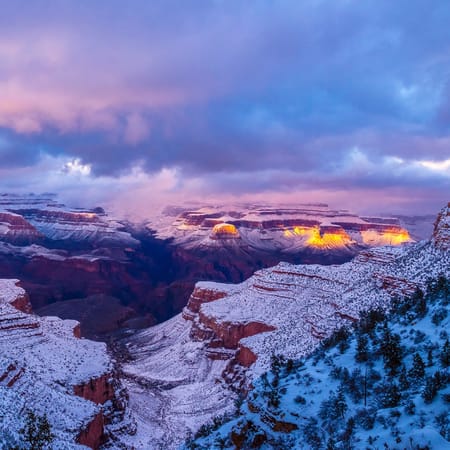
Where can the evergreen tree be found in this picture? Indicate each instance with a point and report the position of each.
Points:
(311, 432)
(347, 435)
(430, 390)
(37, 432)
(445, 354)
(420, 303)
(417, 371)
(331, 443)
(388, 395)
(430, 361)
(362, 353)
(340, 404)
(391, 351)
(403, 379)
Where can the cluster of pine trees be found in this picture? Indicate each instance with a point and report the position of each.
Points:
(365, 387)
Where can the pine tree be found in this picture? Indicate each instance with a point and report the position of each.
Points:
(445, 354)
(403, 379)
(430, 390)
(348, 433)
(362, 353)
(340, 404)
(420, 303)
(417, 370)
(388, 395)
(430, 361)
(331, 443)
(391, 351)
(37, 431)
(311, 433)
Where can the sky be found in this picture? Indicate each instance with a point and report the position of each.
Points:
(145, 102)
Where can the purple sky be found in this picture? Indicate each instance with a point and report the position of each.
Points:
(148, 101)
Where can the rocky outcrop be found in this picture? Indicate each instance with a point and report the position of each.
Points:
(22, 303)
(220, 336)
(92, 435)
(16, 230)
(245, 357)
(228, 334)
(98, 390)
(44, 366)
(441, 232)
(201, 294)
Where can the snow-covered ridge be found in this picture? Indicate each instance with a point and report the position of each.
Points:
(44, 366)
(227, 333)
(28, 218)
(287, 229)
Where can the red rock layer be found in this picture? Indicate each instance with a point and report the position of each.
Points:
(93, 435)
(22, 303)
(97, 390)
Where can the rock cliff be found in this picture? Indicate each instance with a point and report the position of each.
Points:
(45, 367)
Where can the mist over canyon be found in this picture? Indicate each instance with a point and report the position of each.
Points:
(112, 274)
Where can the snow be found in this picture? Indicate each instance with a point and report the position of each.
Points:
(260, 227)
(48, 361)
(303, 303)
(314, 382)
(58, 222)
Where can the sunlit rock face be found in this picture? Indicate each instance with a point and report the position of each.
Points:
(389, 236)
(288, 230)
(224, 231)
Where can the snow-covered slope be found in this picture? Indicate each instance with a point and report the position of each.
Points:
(46, 368)
(289, 229)
(227, 333)
(385, 386)
(26, 218)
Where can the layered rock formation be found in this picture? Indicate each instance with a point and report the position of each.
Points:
(46, 368)
(307, 228)
(16, 230)
(192, 365)
(84, 256)
(56, 222)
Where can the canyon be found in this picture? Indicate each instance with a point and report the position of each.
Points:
(201, 343)
(186, 371)
(135, 275)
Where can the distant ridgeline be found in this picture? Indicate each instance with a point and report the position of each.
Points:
(385, 384)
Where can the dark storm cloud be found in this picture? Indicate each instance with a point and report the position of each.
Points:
(319, 93)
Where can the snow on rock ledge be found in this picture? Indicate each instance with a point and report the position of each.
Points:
(226, 335)
(45, 367)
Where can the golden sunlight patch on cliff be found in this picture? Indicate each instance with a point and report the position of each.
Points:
(225, 230)
(297, 231)
(390, 236)
(327, 239)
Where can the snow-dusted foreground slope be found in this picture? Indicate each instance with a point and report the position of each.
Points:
(189, 368)
(387, 386)
(46, 368)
